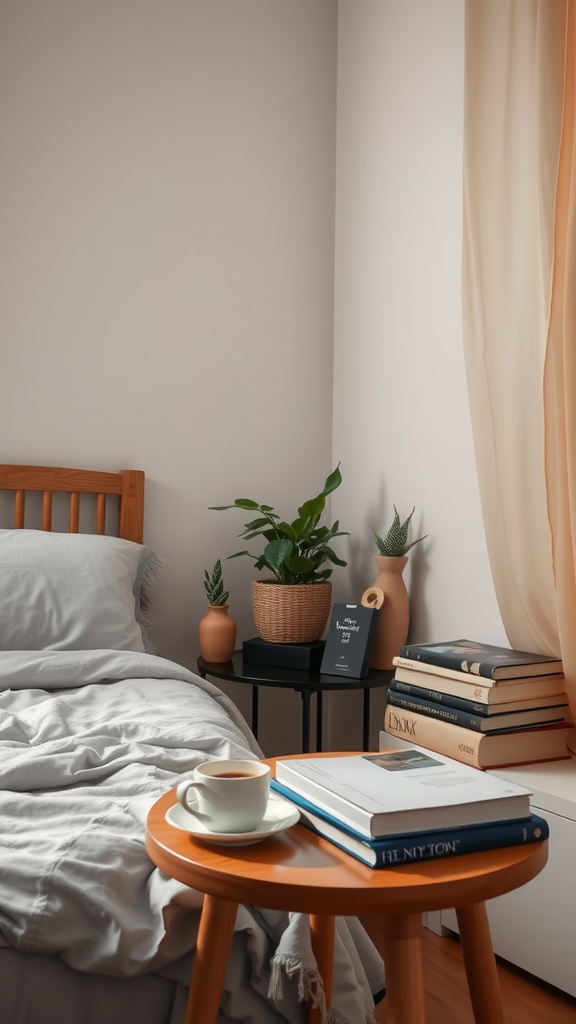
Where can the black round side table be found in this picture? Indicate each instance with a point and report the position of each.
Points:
(305, 682)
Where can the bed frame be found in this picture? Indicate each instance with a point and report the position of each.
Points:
(127, 487)
(72, 500)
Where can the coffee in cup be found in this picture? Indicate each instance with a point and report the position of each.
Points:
(227, 795)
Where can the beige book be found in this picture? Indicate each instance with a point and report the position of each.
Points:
(481, 750)
(478, 688)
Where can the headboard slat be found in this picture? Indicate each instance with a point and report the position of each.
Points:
(100, 513)
(19, 509)
(74, 514)
(47, 510)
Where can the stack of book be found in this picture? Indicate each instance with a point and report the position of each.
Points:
(405, 806)
(490, 707)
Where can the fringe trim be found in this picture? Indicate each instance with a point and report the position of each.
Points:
(310, 987)
(335, 1018)
(150, 570)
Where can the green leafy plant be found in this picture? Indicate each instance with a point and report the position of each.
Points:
(214, 585)
(296, 552)
(395, 543)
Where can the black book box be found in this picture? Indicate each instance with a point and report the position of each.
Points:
(306, 657)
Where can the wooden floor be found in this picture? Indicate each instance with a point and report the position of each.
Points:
(525, 1000)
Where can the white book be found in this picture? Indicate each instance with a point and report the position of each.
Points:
(403, 790)
(473, 687)
(416, 846)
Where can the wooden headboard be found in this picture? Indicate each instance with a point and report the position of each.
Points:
(127, 485)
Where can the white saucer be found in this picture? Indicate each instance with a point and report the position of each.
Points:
(280, 814)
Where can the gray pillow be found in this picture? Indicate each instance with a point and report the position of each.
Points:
(70, 592)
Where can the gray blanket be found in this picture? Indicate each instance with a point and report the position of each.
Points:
(88, 741)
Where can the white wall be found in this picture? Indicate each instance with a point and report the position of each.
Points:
(167, 197)
(166, 268)
(401, 421)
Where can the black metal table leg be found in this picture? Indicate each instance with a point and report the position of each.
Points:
(255, 711)
(319, 720)
(305, 721)
(303, 681)
(366, 721)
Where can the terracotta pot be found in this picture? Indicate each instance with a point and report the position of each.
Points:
(217, 634)
(290, 614)
(394, 615)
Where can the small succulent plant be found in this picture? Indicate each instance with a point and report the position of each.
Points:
(395, 543)
(214, 585)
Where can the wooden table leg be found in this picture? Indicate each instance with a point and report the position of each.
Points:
(210, 960)
(405, 1000)
(480, 964)
(322, 935)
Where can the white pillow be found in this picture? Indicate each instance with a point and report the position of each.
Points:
(71, 592)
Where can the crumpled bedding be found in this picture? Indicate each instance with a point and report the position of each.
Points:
(88, 741)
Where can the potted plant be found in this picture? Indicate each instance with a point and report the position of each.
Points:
(389, 593)
(395, 543)
(217, 630)
(292, 605)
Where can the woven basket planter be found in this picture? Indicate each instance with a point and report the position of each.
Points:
(290, 614)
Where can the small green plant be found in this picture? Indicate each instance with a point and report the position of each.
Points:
(395, 543)
(295, 553)
(214, 585)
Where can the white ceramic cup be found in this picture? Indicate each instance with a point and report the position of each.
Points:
(227, 796)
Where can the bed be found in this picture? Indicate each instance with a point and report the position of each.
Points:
(94, 727)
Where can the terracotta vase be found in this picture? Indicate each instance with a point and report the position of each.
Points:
(217, 634)
(394, 615)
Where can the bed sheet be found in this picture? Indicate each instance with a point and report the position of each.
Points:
(38, 989)
(88, 741)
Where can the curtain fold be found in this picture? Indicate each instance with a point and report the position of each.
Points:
(560, 377)
(519, 315)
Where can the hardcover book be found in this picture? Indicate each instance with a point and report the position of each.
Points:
(400, 791)
(478, 687)
(413, 847)
(473, 705)
(483, 659)
(481, 750)
(349, 641)
(479, 723)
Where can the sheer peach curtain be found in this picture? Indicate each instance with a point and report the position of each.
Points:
(519, 300)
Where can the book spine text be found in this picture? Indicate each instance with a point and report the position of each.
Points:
(460, 744)
(443, 712)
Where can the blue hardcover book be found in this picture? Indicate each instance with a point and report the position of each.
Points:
(479, 723)
(547, 701)
(415, 846)
(482, 659)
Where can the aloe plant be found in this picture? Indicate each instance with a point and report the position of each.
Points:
(395, 543)
(297, 552)
(214, 585)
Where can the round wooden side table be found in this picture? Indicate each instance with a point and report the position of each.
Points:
(298, 870)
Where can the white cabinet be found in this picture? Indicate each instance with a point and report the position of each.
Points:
(534, 927)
